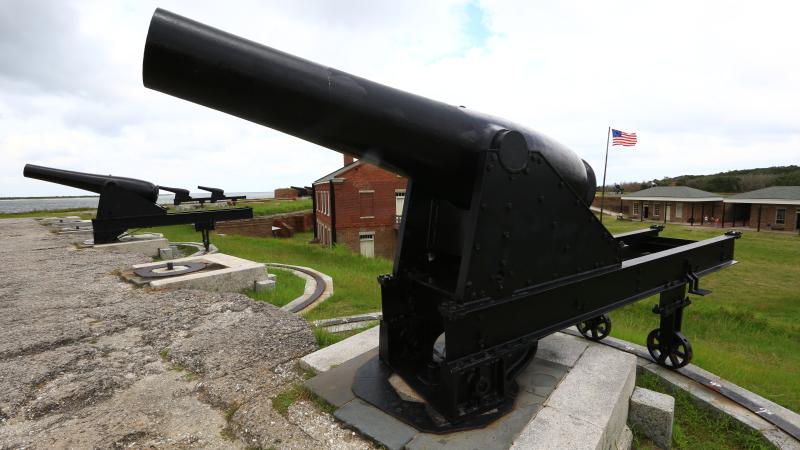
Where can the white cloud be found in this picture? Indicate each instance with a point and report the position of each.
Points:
(708, 87)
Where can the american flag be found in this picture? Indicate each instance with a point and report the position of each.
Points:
(623, 138)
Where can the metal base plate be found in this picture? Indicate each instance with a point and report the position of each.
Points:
(170, 269)
(371, 384)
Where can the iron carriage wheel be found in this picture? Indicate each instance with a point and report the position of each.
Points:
(595, 328)
(672, 353)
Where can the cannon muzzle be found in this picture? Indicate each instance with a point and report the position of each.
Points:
(91, 182)
(431, 142)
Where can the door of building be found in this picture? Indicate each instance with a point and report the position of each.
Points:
(367, 244)
(797, 220)
(646, 211)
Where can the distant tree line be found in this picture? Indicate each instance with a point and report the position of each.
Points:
(733, 181)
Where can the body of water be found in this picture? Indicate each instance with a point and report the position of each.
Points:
(42, 203)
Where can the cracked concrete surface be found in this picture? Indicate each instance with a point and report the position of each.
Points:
(87, 361)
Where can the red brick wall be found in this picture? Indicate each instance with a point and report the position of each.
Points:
(285, 193)
(711, 209)
(768, 215)
(366, 177)
(262, 226)
(385, 239)
(350, 200)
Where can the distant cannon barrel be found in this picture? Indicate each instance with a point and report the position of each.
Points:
(91, 182)
(181, 195)
(215, 192)
(429, 141)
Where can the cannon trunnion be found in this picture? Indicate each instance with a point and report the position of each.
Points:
(127, 203)
(497, 247)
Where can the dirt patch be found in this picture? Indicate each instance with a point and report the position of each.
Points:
(87, 361)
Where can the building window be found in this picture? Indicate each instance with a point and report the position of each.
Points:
(678, 210)
(367, 204)
(656, 209)
(399, 201)
(367, 243)
(780, 216)
(635, 209)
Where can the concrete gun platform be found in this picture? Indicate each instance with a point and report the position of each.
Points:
(574, 394)
(223, 273)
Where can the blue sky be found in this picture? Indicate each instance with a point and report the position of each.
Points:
(707, 86)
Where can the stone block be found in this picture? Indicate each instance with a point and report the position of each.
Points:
(589, 408)
(652, 414)
(322, 360)
(166, 253)
(561, 348)
(625, 440)
(267, 285)
(376, 424)
(147, 247)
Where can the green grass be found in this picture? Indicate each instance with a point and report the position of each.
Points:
(698, 428)
(83, 213)
(279, 206)
(288, 287)
(297, 392)
(325, 338)
(265, 207)
(355, 287)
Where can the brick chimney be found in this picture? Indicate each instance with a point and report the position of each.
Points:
(347, 159)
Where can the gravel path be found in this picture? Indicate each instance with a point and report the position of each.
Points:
(87, 361)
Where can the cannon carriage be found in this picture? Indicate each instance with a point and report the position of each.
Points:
(497, 247)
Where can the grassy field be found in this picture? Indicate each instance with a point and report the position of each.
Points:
(82, 212)
(266, 207)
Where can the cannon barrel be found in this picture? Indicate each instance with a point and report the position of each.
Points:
(215, 192)
(91, 182)
(426, 140)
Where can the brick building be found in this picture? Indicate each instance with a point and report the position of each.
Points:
(672, 204)
(772, 208)
(360, 206)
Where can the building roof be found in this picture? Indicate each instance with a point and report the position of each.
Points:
(778, 195)
(337, 172)
(673, 193)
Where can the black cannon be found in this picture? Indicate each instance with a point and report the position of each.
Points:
(181, 195)
(217, 195)
(184, 196)
(497, 247)
(127, 203)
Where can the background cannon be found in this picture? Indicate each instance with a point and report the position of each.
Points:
(127, 203)
(217, 195)
(497, 247)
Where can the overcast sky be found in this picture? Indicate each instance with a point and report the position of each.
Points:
(708, 86)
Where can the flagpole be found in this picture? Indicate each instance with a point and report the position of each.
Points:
(605, 167)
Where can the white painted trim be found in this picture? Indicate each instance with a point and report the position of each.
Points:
(674, 199)
(763, 201)
(366, 191)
